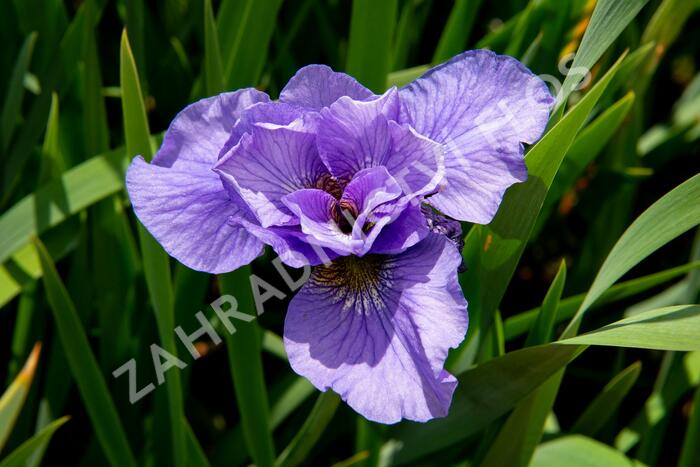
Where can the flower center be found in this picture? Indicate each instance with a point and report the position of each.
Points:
(344, 214)
(357, 274)
(330, 185)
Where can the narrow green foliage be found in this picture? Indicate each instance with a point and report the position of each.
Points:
(34, 446)
(83, 366)
(541, 331)
(13, 99)
(604, 406)
(310, 432)
(369, 47)
(457, 30)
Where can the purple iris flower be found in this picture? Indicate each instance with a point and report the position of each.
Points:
(368, 189)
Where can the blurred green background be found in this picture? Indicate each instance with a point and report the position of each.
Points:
(97, 291)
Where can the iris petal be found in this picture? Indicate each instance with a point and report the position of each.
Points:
(382, 336)
(181, 201)
(481, 106)
(318, 86)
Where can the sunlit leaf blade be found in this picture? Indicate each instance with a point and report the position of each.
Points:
(520, 323)
(52, 165)
(403, 77)
(77, 189)
(36, 445)
(609, 19)
(369, 45)
(13, 398)
(673, 214)
(670, 328)
(584, 150)
(606, 403)
(13, 99)
(579, 451)
(83, 366)
(156, 263)
(245, 362)
(484, 393)
(310, 432)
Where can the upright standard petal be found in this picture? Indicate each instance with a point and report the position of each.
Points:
(482, 107)
(382, 337)
(355, 135)
(269, 164)
(318, 86)
(181, 201)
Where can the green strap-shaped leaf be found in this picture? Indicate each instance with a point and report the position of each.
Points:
(520, 323)
(675, 213)
(579, 451)
(690, 452)
(245, 361)
(156, 263)
(456, 33)
(13, 99)
(310, 431)
(213, 69)
(606, 403)
(541, 331)
(83, 366)
(669, 328)
(13, 399)
(484, 394)
(369, 45)
(36, 445)
(609, 19)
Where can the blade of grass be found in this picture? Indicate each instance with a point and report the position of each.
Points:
(607, 402)
(13, 399)
(673, 214)
(541, 331)
(310, 432)
(83, 365)
(245, 30)
(519, 436)
(12, 106)
(609, 19)
(245, 362)
(369, 45)
(520, 323)
(484, 393)
(156, 263)
(669, 328)
(579, 451)
(213, 69)
(690, 452)
(456, 33)
(34, 446)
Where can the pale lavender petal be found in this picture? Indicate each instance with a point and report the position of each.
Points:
(318, 86)
(481, 106)
(293, 247)
(181, 201)
(269, 164)
(409, 228)
(263, 113)
(356, 135)
(377, 330)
